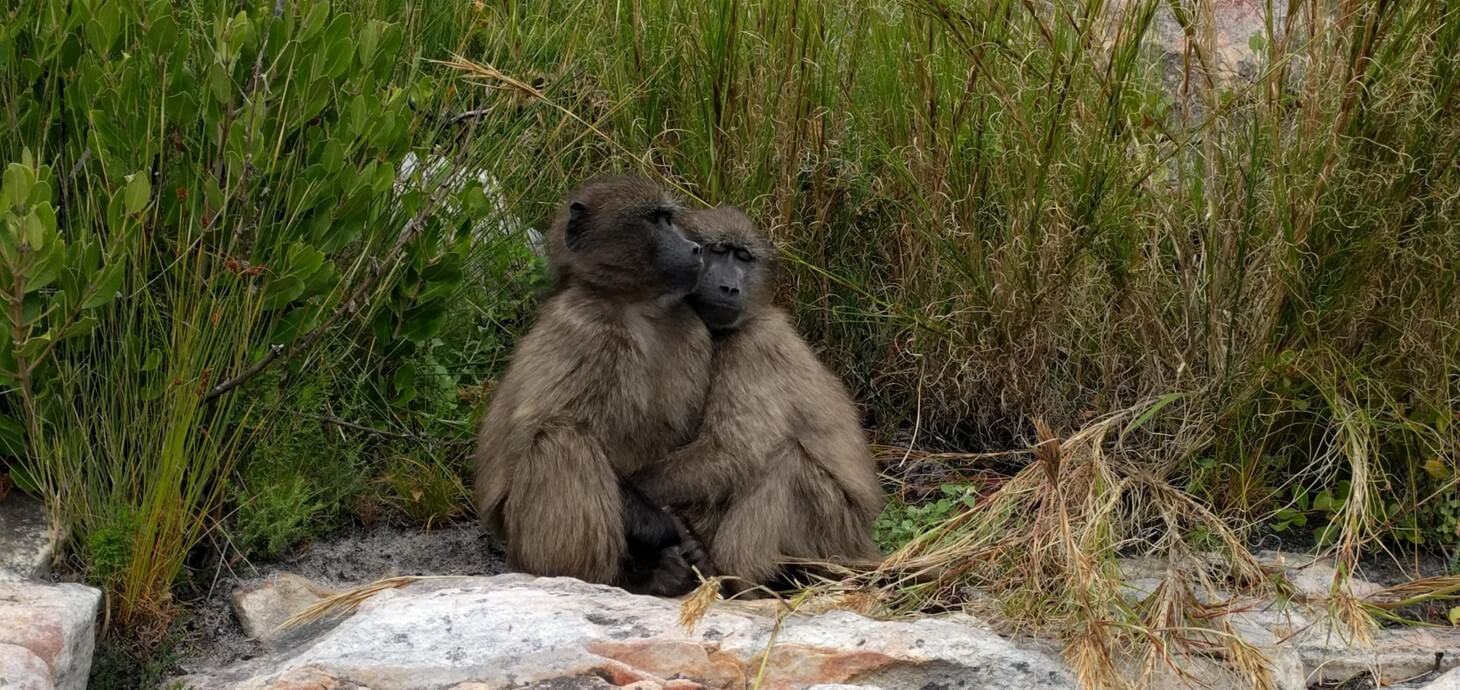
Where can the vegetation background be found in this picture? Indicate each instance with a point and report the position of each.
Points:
(260, 262)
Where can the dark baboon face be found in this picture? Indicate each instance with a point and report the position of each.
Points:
(619, 235)
(739, 264)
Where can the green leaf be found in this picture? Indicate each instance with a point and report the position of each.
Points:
(162, 34)
(314, 21)
(282, 290)
(32, 346)
(104, 27)
(220, 84)
(154, 359)
(17, 183)
(83, 326)
(404, 382)
(139, 190)
(45, 270)
(339, 47)
(34, 230)
(106, 285)
(334, 156)
(302, 261)
(369, 40)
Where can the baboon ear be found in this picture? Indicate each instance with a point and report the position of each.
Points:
(577, 223)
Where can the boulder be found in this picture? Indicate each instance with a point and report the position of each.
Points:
(480, 633)
(56, 623)
(263, 606)
(1448, 681)
(21, 669)
(26, 539)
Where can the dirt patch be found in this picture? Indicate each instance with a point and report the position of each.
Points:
(349, 557)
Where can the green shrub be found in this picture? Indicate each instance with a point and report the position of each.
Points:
(195, 193)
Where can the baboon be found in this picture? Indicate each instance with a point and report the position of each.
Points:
(611, 376)
(780, 469)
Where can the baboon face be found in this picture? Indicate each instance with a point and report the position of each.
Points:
(738, 266)
(619, 234)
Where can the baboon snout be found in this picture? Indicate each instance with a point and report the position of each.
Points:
(728, 289)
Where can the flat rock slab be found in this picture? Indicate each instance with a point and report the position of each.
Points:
(516, 631)
(56, 624)
(26, 540)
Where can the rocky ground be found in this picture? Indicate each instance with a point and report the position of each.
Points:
(350, 557)
(463, 627)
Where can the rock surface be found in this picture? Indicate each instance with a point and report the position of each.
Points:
(263, 607)
(26, 539)
(21, 669)
(520, 631)
(55, 623)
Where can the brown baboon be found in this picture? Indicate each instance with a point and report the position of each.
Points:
(611, 376)
(781, 469)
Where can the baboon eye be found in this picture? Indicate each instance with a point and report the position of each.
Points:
(659, 215)
(717, 248)
(744, 255)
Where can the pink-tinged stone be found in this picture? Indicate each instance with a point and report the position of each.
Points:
(56, 623)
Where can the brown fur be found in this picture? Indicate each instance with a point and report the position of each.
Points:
(611, 377)
(781, 468)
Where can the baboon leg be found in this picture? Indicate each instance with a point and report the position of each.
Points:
(563, 513)
(833, 528)
(748, 544)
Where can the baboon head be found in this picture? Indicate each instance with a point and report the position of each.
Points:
(618, 234)
(739, 268)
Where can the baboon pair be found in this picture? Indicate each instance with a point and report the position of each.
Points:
(661, 398)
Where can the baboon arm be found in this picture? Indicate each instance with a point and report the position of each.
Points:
(563, 515)
(704, 471)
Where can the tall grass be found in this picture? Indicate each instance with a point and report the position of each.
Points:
(996, 212)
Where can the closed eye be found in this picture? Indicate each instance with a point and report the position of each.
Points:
(743, 255)
(718, 248)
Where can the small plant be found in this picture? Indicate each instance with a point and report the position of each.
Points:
(428, 491)
(901, 522)
(274, 516)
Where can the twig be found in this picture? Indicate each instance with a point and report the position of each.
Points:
(468, 115)
(330, 419)
(274, 352)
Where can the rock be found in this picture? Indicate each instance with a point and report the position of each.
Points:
(21, 669)
(1448, 681)
(56, 623)
(482, 633)
(1392, 655)
(263, 606)
(1314, 578)
(26, 538)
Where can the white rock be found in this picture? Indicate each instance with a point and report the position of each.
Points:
(263, 606)
(21, 669)
(1314, 578)
(57, 623)
(26, 538)
(515, 631)
(1448, 681)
